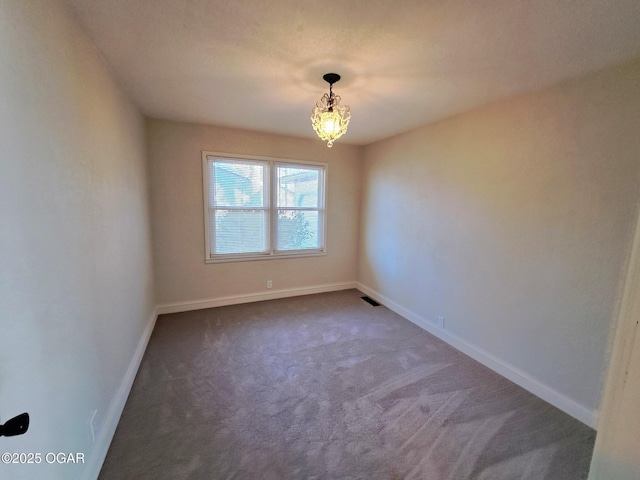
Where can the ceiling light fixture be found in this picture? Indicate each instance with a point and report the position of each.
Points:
(328, 118)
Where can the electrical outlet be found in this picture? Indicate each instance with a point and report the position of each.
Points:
(440, 321)
(269, 284)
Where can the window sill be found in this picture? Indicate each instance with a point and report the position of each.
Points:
(253, 258)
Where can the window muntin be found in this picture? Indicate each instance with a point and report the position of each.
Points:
(262, 208)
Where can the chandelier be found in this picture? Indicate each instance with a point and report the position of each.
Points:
(328, 118)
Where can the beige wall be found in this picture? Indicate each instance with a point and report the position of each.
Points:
(175, 163)
(76, 287)
(513, 222)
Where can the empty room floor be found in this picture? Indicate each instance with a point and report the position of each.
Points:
(329, 387)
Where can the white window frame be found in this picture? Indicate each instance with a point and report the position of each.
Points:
(272, 208)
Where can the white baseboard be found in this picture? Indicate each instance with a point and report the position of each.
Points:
(252, 297)
(112, 417)
(517, 376)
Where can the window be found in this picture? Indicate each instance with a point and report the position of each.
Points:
(262, 207)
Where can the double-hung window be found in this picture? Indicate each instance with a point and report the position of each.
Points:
(258, 207)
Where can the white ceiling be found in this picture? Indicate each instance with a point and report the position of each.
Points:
(258, 64)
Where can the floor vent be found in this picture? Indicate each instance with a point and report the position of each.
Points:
(371, 301)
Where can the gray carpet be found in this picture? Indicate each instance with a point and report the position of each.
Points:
(328, 387)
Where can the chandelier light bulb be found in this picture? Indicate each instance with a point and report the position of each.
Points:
(330, 124)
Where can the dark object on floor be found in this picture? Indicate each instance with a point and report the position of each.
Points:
(370, 301)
